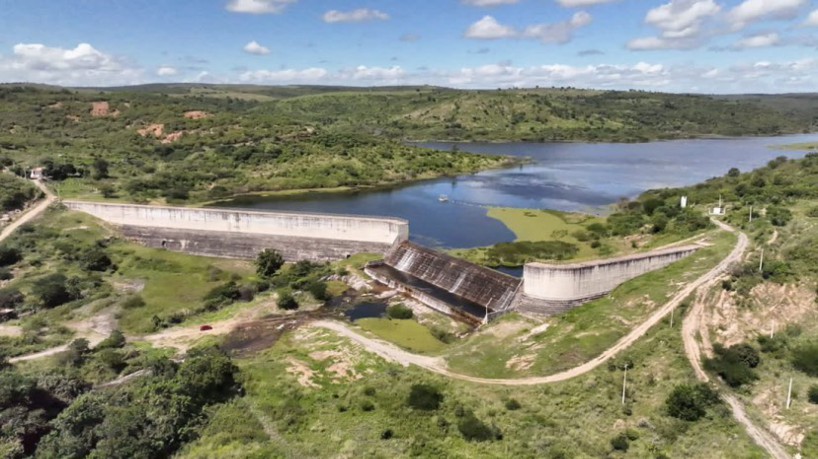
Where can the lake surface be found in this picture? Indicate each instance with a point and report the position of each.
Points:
(563, 176)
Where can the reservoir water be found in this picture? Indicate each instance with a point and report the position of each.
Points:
(562, 176)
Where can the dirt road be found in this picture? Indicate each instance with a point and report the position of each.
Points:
(31, 213)
(694, 325)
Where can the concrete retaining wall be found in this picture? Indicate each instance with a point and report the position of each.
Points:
(235, 233)
(564, 286)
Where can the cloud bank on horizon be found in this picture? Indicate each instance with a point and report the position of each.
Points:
(711, 46)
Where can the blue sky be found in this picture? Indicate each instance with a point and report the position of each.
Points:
(722, 46)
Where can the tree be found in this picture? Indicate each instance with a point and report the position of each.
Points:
(286, 300)
(115, 340)
(268, 262)
(100, 169)
(690, 403)
(95, 260)
(424, 397)
(733, 172)
(805, 358)
(52, 290)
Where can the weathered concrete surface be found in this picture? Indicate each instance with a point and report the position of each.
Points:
(235, 233)
(484, 287)
(561, 287)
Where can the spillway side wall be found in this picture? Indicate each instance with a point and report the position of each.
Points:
(580, 282)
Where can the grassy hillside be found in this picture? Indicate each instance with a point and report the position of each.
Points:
(203, 142)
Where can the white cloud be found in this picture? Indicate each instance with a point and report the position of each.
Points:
(489, 29)
(759, 41)
(484, 3)
(166, 71)
(310, 75)
(258, 6)
(255, 48)
(751, 11)
(359, 15)
(561, 32)
(579, 3)
(679, 22)
(80, 66)
(812, 19)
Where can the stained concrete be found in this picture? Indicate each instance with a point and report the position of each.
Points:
(486, 288)
(235, 233)
(552, 289)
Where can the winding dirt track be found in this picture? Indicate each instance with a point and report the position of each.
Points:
(693, 324)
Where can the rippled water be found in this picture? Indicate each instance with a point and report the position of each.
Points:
(562, 176)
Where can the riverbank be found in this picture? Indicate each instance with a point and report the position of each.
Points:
(809, 146)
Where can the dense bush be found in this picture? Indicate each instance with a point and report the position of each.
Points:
(690, 403)
(96, 259)
(779, 216)
(9, 256)
(512, 404)
(268, 262)
(424, 397)
(400, 312)
(734, 364)
(620, 443)
(805, 358)
(222, 295)
(133, 302)
(53, 290)
(522, 252)
(318, 290)
(11, 298)
(474, 429)
(286, 300)
(812, 394)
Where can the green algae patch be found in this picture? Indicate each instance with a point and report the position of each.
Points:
(407, 334)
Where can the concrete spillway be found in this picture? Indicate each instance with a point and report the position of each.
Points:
(481, 288)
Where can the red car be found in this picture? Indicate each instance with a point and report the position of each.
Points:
(205, 328)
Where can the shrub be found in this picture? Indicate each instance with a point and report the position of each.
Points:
(6, 274)
(52, 290)
(424, 397)
(133, 302)
(9, 256)
(812, 394)
(513, 405)
(318, 289)
(10, 298)
(367, 406)
(369, 391)
(474, 429)
(779, 216)
(805, 359)
(690, 403)
(286, 300)
(114, 341)
(247, 293)
(268, 263)
(387, 434)
(732, 366)
(223, 294)
(620, 442)
(747, 354)
(400, 312)
(95, 260)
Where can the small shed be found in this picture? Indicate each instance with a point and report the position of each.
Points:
(37, 173)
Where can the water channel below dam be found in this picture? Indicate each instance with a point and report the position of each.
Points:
(562, 176)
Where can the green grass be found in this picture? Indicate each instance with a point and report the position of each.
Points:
(174, 282)
(407, 334)
(812, 146)
(583, 333)
(576, 418)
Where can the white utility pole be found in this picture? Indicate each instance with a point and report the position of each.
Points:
(624, 383)
(761, 262)
(671, 317)
(789, 395)
(751, 214)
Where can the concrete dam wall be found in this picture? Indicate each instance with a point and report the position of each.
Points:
(480, 287)
(551, 289)
(233, 233)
